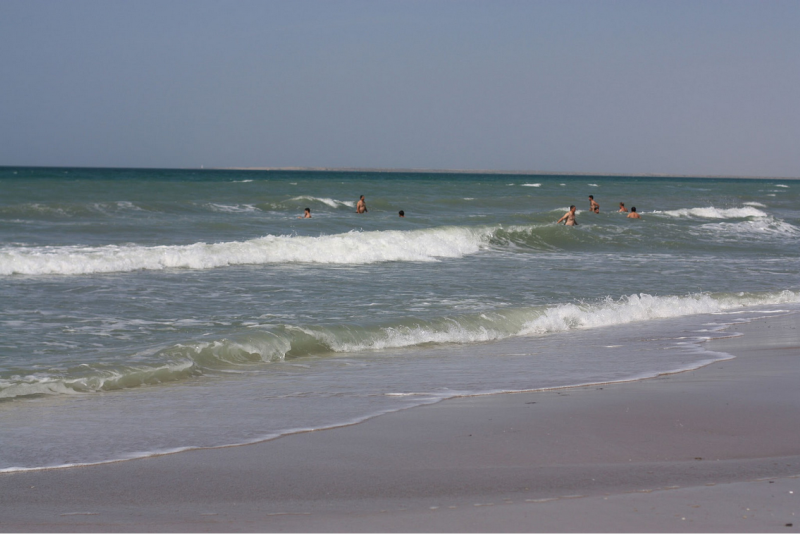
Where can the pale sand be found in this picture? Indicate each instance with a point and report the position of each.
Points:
(715, 449)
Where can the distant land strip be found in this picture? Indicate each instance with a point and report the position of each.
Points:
(486, 171)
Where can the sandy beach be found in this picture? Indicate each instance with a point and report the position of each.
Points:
(716, 449)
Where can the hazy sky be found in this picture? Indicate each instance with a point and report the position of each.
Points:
(603, 86)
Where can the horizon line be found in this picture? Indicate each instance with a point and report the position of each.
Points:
(421, 171)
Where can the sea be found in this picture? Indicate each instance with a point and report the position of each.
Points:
(152, 311)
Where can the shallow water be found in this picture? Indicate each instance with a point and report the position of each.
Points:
(153, 310)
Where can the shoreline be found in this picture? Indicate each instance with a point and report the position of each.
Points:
(542, 460)
(713, 357)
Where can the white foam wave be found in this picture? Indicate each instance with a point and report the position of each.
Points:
(781, 185)
(49, 210)
(755, 204)
(185, 361)
(332, 202)
(539, 321)
(593, 185)
(643, 307)
(350, 248)
(104, 380)
(766, 226)
(531, 185)
(126, 205)
(452, 331)
(473, 328)
(236, 208)
(714, 213)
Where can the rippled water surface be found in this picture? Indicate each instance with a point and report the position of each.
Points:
(155, 310)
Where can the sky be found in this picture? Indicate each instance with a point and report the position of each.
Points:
(634, 87)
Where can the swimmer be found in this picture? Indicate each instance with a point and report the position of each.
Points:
(402, 213)
(633, 214)
(569, 218)
(622, 208)
(594, 207)
(306, 214)
(361, 206)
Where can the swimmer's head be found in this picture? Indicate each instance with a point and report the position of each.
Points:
(633, 209)
(591, 196)
(402, 213)
(572, 208)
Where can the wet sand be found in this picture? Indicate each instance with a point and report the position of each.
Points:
(716, 449)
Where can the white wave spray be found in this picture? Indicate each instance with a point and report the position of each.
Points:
(714, 213)
(189, 359)
(349, 248)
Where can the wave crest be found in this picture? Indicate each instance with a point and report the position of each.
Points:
(714, 213)
(349, 248)
(284, 342)
(332, 202)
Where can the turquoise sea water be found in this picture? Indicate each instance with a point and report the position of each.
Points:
(146, 311)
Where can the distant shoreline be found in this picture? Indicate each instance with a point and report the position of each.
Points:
(422, 171)
(499, 172)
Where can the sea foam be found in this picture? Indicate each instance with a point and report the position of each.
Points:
(333, 203)
(349, 248)
(279, 343)
(714, 213)
(757, 228)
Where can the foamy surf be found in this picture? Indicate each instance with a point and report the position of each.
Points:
(331, 202)
(349, 248)
(765, 227)
(714, 213)
(301, 339)
(275, 344)
(238, 208)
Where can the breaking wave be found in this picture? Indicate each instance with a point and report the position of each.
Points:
(765, 227)
(714, 213)
(268, 343)
(333, 203)
(349, 248)
(236, 208)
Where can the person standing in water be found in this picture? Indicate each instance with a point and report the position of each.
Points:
(361, 206)
(306, 214)
(622, 208)
(594, 207)
(402, 213)
(569, 218)
(633, 214)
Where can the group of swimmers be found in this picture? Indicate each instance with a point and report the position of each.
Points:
(594, 207)
(568, 218)
(361, 207)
